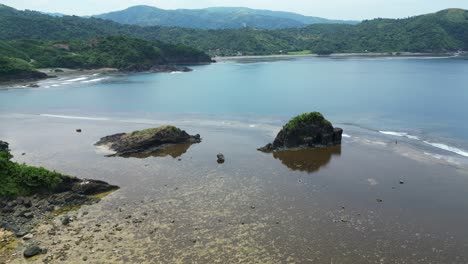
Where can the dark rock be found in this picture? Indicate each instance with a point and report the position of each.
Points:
(379, 200)
(170, 68)
(66, 220)
(27, 203)
(402, 182)
(33, 250)
(220, 158)
(149, 142)
(309, 130)
(85, 258)
(28, 215)
(91, 187)
(21, 233)
(78, 130)
(32, 85)
(58, 70)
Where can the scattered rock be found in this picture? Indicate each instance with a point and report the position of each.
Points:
(28, 215)
(220, 158)
(78, 130)
(402, 182)
(28, 236)
(85, 258)
(33, 250)
(310, 130)
(379, 200)
(66, 220)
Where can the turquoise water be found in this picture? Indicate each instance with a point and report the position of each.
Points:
(424, 97)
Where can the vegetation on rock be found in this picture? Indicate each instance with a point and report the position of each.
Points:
(308, 130)
(19, 179)
(148, 142)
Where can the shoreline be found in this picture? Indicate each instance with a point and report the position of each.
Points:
(341, 55)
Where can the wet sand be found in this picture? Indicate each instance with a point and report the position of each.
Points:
(341, 205)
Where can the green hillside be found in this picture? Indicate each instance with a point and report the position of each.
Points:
(443, 31)
(214, 18)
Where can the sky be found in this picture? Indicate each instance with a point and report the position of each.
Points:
(336, 9)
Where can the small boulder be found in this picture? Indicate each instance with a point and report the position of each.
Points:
(28, 236)
(66, 220)
(33, 250)
(220, 158)
(78, 130)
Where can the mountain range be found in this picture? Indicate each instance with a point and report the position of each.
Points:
(215, 18)
(444, 31)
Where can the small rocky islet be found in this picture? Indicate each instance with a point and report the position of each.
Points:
(147, 142)
(306, 131)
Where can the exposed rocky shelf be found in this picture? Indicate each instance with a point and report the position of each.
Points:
(148, 142)
(310, 130)
(30, 195)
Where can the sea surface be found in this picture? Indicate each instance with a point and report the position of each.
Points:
(394, 191)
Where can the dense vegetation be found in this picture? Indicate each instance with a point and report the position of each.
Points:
(19, 179)
(305, 120)
(214, 18)
(31, 40)
(443, 31)
(14, 69)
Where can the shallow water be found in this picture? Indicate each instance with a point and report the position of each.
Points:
(256, 207)
(403, 121)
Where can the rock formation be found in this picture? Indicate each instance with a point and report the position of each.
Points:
(147, 142)
(310, 130)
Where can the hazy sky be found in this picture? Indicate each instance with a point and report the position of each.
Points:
(342, 9)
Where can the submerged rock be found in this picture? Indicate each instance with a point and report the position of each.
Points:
(147, 142)
(220, 158)
(310, 130)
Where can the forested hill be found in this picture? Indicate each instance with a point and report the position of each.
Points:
(214, 18)
(30, 40)
(443, 31)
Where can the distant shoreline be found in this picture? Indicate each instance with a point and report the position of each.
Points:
(340, 55)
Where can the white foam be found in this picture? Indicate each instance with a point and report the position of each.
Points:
(448, 148)
(346, 136)
(399, 134)
(176, 72)
(55, 85)
(77, 117)
(372, 181)
(95, 80)
(77, 79)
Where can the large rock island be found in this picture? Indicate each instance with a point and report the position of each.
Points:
(309, 130)
(148, 142)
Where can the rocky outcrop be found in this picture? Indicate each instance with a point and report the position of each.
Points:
(23, 76)
(19, 214)
(310, 130)
(147, 142)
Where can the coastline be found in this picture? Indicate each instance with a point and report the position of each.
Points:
(340, 55)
